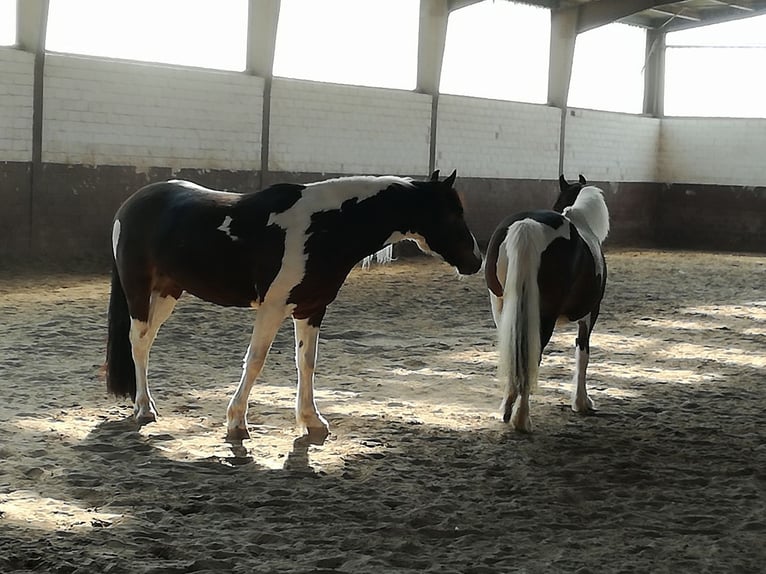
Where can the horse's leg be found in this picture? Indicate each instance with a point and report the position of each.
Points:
(142, 335)
(306, 341)
(267, 322)
(581, 402)
(517, 405)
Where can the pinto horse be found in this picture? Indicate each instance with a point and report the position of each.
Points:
(543, 266)
(285, 250)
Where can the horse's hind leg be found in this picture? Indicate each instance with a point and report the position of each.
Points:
(142, 335)
(267, 322)
(306, 341)
(581, 402)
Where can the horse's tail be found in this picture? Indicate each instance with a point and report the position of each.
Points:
(120, 369)
(590, 209)
(384, 256)
(519, 324)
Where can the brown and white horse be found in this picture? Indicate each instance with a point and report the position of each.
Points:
(542, 266)
(285, 251)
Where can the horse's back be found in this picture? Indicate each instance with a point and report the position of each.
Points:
(568, 277)
(179, 236)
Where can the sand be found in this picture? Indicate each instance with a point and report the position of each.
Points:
(419, 473)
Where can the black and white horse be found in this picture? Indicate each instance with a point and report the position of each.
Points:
(285, 250)
(542, 266)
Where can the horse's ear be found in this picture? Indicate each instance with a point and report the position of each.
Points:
(435, 176)
(450, 181)
(563, 183)
(582, 179)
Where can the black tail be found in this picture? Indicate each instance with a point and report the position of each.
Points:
(120, 369)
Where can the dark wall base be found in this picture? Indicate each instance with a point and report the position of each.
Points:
(67, 219)
(632, 206)
(15, 210)
(712, 217)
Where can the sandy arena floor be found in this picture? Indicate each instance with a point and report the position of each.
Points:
(419, 474)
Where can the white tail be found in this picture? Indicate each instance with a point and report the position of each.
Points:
(519, 324)
(384, 256)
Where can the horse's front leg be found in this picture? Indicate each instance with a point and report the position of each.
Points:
(581, 402)
(267, 322)
(306, 342)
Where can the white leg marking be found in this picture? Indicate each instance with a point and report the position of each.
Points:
(520, 420)
(581, 402)
(142, 335)
(306, 412)
(267, 322)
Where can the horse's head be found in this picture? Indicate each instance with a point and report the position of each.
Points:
(568, 193)
(440, 226)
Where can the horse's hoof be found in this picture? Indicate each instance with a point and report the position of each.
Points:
(317, 435)
(145, 418)
(237, 435)
(584, 408)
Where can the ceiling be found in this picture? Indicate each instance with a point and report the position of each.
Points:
(653, 15)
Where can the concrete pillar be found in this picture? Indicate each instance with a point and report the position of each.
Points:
(31, 24)
(262, 21)
(432, 37)
(654, 74)
(563, 36)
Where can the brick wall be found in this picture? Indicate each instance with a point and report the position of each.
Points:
(728, 151)
(611, 147)
(331, 128)
(497, 139)
(16, 85)
(99, 111)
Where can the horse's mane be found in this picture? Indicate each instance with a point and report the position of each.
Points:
(590, 208)
(380, 180)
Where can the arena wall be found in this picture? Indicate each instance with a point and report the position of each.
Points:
(715, 192)
(108, 127)
(16, 97)
(339, 129)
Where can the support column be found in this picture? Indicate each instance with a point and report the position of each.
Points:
(654, 74)
(432, 37)
(563, 36)
(31, 28)
(31, 23)
(262, 22)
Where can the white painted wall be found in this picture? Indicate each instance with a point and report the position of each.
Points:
(713, 150)
(606, 146)
(334, 128)
(497, 139)
(99, 111)
(16, 93)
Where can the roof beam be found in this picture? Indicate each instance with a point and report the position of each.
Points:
(734, 14)
(601, 12)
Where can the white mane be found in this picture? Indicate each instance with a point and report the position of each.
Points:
(589, 209)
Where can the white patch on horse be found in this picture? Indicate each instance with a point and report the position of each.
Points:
(591, 218)
(115, 236)
(316, 198)
(226, 228)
